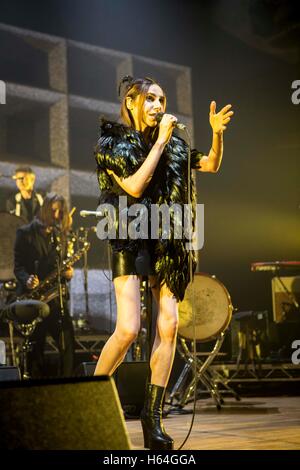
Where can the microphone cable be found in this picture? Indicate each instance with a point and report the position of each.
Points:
(194, 353)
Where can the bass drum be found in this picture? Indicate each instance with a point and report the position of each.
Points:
(8, 228)
(212, 309)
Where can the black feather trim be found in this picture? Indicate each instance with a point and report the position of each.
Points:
(123, 150)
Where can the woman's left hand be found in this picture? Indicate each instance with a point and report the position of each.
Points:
(219, 121)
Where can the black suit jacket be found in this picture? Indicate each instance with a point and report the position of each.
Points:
(34, 202)
(34, 253)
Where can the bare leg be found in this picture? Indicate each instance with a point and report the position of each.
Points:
(127, 290)
(163, 350)
(155, 436)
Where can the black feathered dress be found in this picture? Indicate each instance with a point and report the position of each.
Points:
(123, 150)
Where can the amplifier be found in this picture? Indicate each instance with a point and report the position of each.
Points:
(286, 299)
(130, 379)
(8, 373)
(247, 329)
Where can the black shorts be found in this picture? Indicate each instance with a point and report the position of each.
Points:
(125, 263)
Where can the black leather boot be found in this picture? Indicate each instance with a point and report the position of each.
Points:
(155, 436)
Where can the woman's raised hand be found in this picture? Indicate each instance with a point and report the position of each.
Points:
(219, 121)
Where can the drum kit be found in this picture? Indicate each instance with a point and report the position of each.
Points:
(22, 315)
(204, 316)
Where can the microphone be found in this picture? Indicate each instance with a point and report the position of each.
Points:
(56, 230)
(36, 267)
(179, 125)
(91, 213)
(55, 237)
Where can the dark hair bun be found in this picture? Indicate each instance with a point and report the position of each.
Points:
(127, 81)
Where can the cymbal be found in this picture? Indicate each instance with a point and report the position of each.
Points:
(274, 265)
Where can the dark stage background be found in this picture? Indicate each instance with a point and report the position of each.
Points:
(240, 52)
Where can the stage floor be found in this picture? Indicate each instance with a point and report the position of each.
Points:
(263, 423)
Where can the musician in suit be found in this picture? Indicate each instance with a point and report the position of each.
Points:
(26, 202)
(40, 249)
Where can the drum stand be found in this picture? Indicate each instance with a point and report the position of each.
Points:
(26, 330)
(24, 315)
(212, 379)
(140, 347)
(84, 320)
